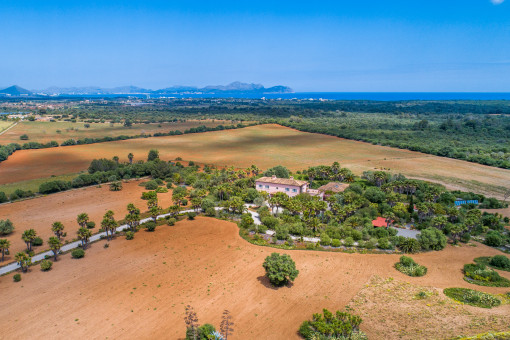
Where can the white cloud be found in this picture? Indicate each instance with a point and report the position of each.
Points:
(497, 2)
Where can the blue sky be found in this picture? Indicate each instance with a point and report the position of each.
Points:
(338, 45)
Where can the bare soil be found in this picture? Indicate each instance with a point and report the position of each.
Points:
(264, 146)
(40, 213)
(138, 289)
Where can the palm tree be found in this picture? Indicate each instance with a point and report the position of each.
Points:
(82, 219)
(133, 216)
(58, 229)
(84, 234)
(23, 260)
(55, 245)
(4, 247)
(29, 236)
(154, 211)
(130, 157)
(109, 224)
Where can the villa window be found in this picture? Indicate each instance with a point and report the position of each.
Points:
(294, 190)
(267, 186)
(287, 189)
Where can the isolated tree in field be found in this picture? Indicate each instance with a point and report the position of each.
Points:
(153, 155)
(6, 227)
(109, 224)
(226, 324)
(4, 247)
(116, 159)
(82, 219)
(130, 157)
(55, 245)
(58, 229)
(23, 260)
(83, 235)
(28, 237)
(280, 269)
(191, 321)
(133, 216)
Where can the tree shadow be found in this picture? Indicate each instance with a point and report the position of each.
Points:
(264, 280)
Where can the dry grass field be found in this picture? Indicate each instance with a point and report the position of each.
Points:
(138, 289)
(41, 212)
(265, 146)
(4, 125)
(45, 131)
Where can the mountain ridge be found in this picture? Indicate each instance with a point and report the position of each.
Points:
(232, 88)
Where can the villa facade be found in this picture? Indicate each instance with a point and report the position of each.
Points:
(290, 186)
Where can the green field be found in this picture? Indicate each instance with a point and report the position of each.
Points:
(33, 184)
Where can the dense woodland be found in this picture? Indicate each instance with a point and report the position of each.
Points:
(476, 131)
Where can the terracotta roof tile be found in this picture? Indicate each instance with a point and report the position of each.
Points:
(283, 181)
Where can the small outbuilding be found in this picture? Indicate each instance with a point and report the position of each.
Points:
(380, 222)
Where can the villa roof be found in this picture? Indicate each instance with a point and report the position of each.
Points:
(334, 187)
(284, 181)
(379, 222)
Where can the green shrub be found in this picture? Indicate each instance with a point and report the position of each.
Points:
(130, 235)
(408, 266)
(262, 229)
(37, 242)
(151, 185)
(494, 240)
(500, 261)
(480, 275)
(409, 245)
(310, 246)
(171, 221)
(204, 332)
(384, 243)
(325, 239)
(336, 243)
(432, 239)
(280, 269)
(91, 224)
(78, 253)
(191, 215)
(269, 221)
(472, 297)
(46, 265)
(16, 277)
(327, 325)
(161, 190)
(6, 227)
(150, 226)
(349, 242)
(211, 212)
(169, 185)
(281, 232)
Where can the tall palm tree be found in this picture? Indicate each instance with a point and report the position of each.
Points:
(23, 260)
(29, 236)
(133, 216)
(84, 234)
(82, 219)
(4, 247)
(109, 224)
(55, 245)
(130, 157)
(58, 229)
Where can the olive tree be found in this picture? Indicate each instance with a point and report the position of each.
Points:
(280, 269)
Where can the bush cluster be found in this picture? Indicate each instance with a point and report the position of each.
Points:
(472, 297)
(408, 266)
(480, 275)
(78, 253)
(327, 325)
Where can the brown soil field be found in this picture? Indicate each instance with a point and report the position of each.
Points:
(41, 212)
(138, 289)
(46, 131)
(265, 146)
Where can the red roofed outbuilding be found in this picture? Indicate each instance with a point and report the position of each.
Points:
(380, 222)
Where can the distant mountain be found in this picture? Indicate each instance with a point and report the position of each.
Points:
(15, 91)
(93, 90)
(235, 87)
(232, 88)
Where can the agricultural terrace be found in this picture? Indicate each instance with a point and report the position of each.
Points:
(266, 146)
(60, 131)
(206, 264)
